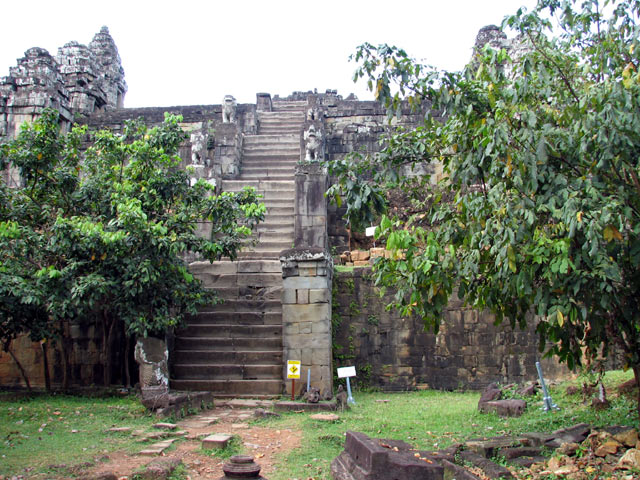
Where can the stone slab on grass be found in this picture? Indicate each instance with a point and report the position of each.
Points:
(157, 448)
(218, 441)
(165, 426)
(307, 407)
(325, 417)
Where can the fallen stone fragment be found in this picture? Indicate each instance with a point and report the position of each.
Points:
(97, 476)
(382, 401)
(489, 468)
(608, 448)
(504, 408)
(157, 448)
(568, 448)
(220, 440)
(165, 426)
(325, 417)
(262, 413)
(119, 429)
(159, 469)
(631, 459)
(628, 438)
(239, 426)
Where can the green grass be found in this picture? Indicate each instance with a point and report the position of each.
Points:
(434, 420)
(38, 432)
(234, 447)
(426, 419)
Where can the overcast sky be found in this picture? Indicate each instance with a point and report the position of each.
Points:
(194, 52)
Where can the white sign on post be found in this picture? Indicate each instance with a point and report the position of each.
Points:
(370, 231)
(346, 372)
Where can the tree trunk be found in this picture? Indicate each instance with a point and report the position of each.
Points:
(45, 364)
(22, 371)
(65, 342)
(127, 349)
(107, 339)
(636, 374)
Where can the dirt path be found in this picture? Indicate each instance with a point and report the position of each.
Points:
(263, 443)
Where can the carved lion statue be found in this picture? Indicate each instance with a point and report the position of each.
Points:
(229, 109)
(198, 148)
(313, 144)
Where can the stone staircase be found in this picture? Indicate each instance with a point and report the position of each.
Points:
(234, 349)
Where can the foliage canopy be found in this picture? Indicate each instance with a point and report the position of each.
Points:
(537, 217)
(103, 233)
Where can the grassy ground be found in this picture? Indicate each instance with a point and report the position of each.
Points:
(61, 430)
(434, 420)
(46, 430)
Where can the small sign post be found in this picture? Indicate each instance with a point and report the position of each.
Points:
(347, 372)
(293, 372)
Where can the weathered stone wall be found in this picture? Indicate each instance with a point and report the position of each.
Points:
(86, 366)
(395, 353)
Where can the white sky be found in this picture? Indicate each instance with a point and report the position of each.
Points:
(194, 52)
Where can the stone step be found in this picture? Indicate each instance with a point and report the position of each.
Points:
(257, 333)
(273, 246)
(213, 279)
(272, 227)
(279, 237)
(259, 185)
(250, 140)
(270, 176)
(282, 151)
(280, 130)
(227, 344)
(232, 388)
(221, 357)
(227, 371)
(229, 267)
(237, 318)
(298, 114)
(243, 304)
(261, 254)
(256, 167)
(271, 158)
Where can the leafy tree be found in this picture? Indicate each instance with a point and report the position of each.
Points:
(100, 236)
(537, 216)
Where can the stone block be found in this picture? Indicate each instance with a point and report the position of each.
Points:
(289, 296)
(302, 296)
(319, 295)
(307, 271)
(321, 326)
(359, 255)
(320, 356)
(217, 441)
(305, 327)
(305, 313)
(361, 263)
(305, 282)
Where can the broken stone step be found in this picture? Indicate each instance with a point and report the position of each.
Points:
(221, 357)
(232, 387)
(261, 254)
(270, 176)
(262, 139)
(269, 159)
(233, 331)
(273, 227)
(489, 468)
(241, 344)
(242, 266)
(227, 371)
(260, 185)
(238, 318)
(157, 448)
(214, 280)
(217, 441)
(243, 303)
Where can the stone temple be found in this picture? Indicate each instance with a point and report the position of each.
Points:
(283, 298)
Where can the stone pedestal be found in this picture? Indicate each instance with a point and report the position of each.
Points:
(228, 150)
(152, 356)
(306, 314)
(263, 102)
(310, 212)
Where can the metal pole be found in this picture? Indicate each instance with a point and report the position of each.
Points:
(548, 403)
(293, 389)
(308, 379)
(349, 396)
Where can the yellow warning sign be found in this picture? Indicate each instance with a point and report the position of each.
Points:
(293, 368)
